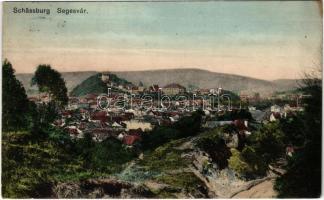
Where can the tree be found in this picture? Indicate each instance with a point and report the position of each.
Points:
(268, 142)
(213, 144)
(46, 114)
(14, 100)
(185, 127)
(189, 125)
(303, 177)
(50, 81)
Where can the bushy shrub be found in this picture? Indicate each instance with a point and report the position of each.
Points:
(165, 157)
(238, 164)
(213, 144)
(185, 127)
(247, 164)
(107, 156)
(268, 142)
(256, 163)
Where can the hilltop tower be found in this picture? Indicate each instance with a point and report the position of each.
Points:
(105, 77)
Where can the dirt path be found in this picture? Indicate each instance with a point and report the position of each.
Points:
(261, 190)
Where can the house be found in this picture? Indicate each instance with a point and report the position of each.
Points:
(290, 150)
(101, 116)
(172, 119)
(72, 106)
(154, 88)
(138, 124)
(116, 125)
(137, 89)
(66, 114)
(173, 89)
(203, 91)
(82, 126)
(244, 97)
(274, 116)
(275, 109)
(121, 136)
(93, 105)
(59, 122)
(84, 105)
(128, 115)
(214, 124)
(241, 124)
(252, 108)
(258, 115)
(134, 90)
(34, 99)
(131, 139)
(74, 132)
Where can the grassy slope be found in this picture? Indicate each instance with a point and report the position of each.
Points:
(32, 165)
(28, 166)
(173, 170)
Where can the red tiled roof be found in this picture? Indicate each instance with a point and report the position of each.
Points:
(102, 116)
(130, 139)
(240, 124)
(73, 131)
(66, 113)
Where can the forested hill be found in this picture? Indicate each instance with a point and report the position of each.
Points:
(94, 85)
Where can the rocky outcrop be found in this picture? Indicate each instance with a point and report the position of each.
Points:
(220, 183)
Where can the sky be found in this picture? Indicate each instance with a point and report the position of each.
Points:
(266, 40)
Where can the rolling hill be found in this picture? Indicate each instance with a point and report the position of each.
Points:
(206, 79)
(185, 77)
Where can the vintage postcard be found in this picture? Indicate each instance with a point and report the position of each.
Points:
(161, 99)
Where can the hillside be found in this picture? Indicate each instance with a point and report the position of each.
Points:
(94, 85)
(173, 170)
(288, 84)
(186, 77)
(205, 79)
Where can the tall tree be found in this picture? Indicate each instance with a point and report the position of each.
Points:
(50, 81)
(303, 177)
(14, 100)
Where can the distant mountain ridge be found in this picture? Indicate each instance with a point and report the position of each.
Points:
(186, 77)
(207, 79)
